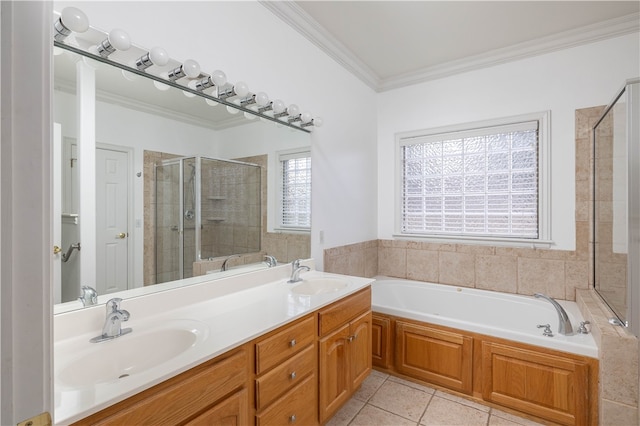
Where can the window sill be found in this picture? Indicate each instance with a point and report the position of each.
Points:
(495, 241)
(291, 231)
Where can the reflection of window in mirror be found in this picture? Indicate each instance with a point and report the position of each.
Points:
(294, 198)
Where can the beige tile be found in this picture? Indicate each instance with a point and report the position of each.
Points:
(402, 400)
(619, 369)
(498, 273)
(392, 262)
(457, 268)
(499, 417)
(411, 384)
(369, 387)
(346, 413)
(371, 262)
(422, 265)
(442, 411)
(371, 415)
(463, 401)
(541, 276)
(614, 414)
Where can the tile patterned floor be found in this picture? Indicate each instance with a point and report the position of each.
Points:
(387, 400)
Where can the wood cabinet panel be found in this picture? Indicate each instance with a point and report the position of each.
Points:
(177, 399)
(334, 383)
(360, 349)
(296, 407)
(548, 386)
(343, 311)
(277, 381)
(381, 341)
(280, 346)
(434, 355)
(232, 411)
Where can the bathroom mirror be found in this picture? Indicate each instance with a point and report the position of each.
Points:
(616, 205)
(157, 134)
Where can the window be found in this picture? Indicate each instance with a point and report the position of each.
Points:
(295, 191)
(482, 181)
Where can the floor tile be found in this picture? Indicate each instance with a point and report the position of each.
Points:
(346, 413)
(371, 415)
(503, 415)
(462, 400)
(443, 411)
(369, 387)
(412, 384)
(402, 400)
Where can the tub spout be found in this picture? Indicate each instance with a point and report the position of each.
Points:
(565, 325)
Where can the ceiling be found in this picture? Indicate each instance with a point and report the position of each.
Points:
(389, 44)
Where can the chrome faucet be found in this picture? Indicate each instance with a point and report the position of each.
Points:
(295, 271)
(113, 323)
(565, 325)
(226, 261)
(270, 261)
(89, 296)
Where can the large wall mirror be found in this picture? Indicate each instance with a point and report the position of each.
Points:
(180, 184)
(617, 206)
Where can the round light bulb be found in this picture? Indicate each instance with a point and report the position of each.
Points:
(74, 19)
(191, 68)
(249, 116)
(159, 56)
(306, 117)
(232, 110)
(278, 106)
(317, 122)
(293, 110)
(210, 102)
(241, 89)
(161, 86)
(219, 78)
(190, 85)
(119, 39)
(129, 75)
(262, 99)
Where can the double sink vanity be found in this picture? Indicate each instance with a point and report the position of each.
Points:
(223, 351)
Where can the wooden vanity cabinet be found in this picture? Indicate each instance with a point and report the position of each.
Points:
(381, 341)
(286, 379)
(215, 392)
(344, 350)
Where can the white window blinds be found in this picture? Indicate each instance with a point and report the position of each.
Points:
(295, 200)
(477, 182)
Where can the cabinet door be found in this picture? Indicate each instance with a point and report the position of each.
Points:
(436, 356)
(232, 411)
(548, 386)
(381, 341)
(334, 385)
(360, 350)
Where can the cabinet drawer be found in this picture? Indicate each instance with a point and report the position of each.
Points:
(175, 402)
(297, 407)
(280, 346)
(344, 310)
(285, 376)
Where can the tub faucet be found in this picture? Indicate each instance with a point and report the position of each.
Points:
(226, 261)
(565, 325)
(270, 261)
(295, 271)
(113, 323)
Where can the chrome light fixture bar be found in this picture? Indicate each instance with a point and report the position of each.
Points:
(192, 81)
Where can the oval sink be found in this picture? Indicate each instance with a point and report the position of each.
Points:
(319, 286)
(125, 356)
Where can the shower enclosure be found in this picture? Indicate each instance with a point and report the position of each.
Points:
(205, 208)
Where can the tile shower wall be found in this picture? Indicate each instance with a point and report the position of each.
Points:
(561, 274)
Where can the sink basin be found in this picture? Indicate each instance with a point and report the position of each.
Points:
(313, 286)
(93, 363)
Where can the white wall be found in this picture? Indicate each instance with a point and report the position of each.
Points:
(250, 44)
(561, 81)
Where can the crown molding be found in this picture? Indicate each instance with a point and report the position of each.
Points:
(301, 21)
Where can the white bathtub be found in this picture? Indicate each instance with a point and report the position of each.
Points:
(508, 316)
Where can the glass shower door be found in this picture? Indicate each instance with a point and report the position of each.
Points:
(168, 223)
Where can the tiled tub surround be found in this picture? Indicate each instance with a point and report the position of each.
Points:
(233, 311)
(561, 274)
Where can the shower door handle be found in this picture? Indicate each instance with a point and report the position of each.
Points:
(121, 235)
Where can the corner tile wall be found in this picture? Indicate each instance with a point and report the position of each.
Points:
(561, 274)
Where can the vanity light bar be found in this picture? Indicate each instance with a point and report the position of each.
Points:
(178, 72)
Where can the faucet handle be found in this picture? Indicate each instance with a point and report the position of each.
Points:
(296, 264)
(113, 305)
(582, 329)
(547, 330)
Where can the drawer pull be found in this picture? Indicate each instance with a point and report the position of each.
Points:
(292, 343)
(292, 375)
(351, 338)
(292, 418)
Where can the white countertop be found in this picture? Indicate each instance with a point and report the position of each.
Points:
(231, 312)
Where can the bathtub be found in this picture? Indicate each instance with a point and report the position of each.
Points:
(502, 315)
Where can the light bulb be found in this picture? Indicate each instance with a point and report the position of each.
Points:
(119, 39)
(219, 78)
(158, 56)
(293, 110)
(278, 106)
(74, 19)
(191, 68)
(130, 76)
(262, 99)
(306, 117)
(190, 85)
(249, 116)
(210, 102)
(241, 89)
(161, 86)
(317, 122)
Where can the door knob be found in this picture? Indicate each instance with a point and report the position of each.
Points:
(121, 235)
(56, 249)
